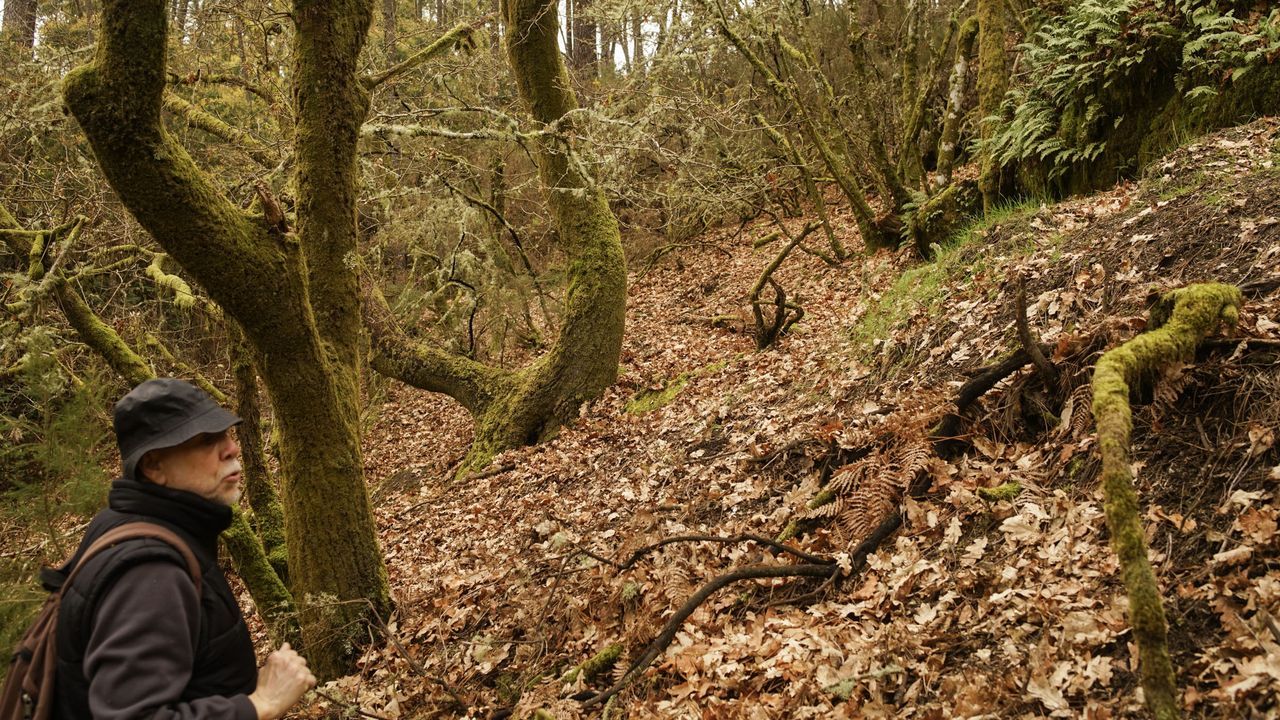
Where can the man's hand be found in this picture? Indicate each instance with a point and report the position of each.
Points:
(281, 682)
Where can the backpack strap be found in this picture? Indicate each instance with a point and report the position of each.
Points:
(134, 531)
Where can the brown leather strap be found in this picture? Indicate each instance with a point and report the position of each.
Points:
(133, 531)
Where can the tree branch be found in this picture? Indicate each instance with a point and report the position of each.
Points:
(424, 366)
(239, 139)
(221, 79)
(459, 36)
(117, 99)
(857, 562)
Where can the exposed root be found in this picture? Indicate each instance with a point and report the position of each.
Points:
(1182, 318)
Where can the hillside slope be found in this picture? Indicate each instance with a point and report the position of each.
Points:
(995, 605)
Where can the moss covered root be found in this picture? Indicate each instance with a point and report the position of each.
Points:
(601, 662)
(1180, 321)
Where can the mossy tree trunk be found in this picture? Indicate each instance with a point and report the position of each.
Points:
(264, 500)
(294, 296)
(1180, 321)
(993, 80)
(895, 192)
(956, 87)
(515, 408)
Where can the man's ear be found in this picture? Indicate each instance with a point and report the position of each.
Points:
(151, 468)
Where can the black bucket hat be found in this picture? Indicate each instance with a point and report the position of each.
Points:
(163, 413)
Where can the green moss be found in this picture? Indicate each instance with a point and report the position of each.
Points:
(825, 496)
(935, 221)
(1179, 321)
(1007, 491)
(790, 531)
(274, 603)
(630, 592)
(649, 400)
(599, 663)
(923, 287)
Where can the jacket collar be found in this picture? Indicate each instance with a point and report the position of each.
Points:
(201, 518)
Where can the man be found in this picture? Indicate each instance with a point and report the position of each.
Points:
(134, 639)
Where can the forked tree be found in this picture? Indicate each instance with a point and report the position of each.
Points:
(520, 407)
(295, 293)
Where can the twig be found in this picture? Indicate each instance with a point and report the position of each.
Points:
(413, 663)
(1029, 342)
(768, 333)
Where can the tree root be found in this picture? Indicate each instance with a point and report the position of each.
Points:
(1180, 321)
(828, 570)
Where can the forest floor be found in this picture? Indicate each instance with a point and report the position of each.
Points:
(977, 607)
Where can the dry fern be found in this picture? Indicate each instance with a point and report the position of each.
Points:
(1077, 415)
(1168, 387)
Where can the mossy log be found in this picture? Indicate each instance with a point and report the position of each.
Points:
(1180, 321)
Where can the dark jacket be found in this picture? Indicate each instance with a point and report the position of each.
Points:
(134, 640)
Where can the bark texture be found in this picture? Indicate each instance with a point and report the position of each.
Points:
(294, 295)
(956, 87)
(1181, 320)
(993, 80)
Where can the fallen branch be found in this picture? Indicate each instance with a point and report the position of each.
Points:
(751, 572)
(946, 434)
(1255, 289)
(1180, 321)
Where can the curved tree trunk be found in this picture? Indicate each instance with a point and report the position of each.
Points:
(512, 409)
(289, 293)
